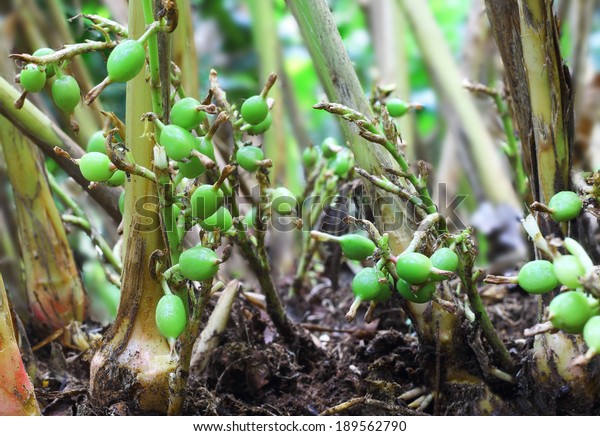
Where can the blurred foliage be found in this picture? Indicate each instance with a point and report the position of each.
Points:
(224, 42)
(565, 40)
(594, 41)
(238, 68)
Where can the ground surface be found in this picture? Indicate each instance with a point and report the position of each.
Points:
(253, 372)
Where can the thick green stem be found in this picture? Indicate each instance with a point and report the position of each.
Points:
(163, 177)
(527, 37)
(34, 124)
(54, 289)
(341, 85)
(544, 77)
(159, 60)
(134, 360)
(17, 397)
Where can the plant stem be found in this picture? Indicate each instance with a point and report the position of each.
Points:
(323, 237)
(539, 90)
(255, 253)
(153, 58)
(421, 187)
(341, 84)
(543, 65)
(159, 60)
(375, 134)
(217, 323)
(527, 37)
(46, 135)
(67, 52)
(65, 198)
(16, 390)
(133, 348)
(501, 354)
(178, 378)
(322, 192)
(388, 186)
(84, 224)
(54, 290)
(257, 259)
(55, 293)
(107, 24)
(163, 178)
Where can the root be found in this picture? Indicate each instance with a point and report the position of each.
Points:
(364, 401)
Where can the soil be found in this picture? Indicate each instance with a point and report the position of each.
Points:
(253, 372)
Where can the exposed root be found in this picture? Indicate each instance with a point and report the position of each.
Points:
(422, 402)
(343, 407)
(412, 394)
(537, 329)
